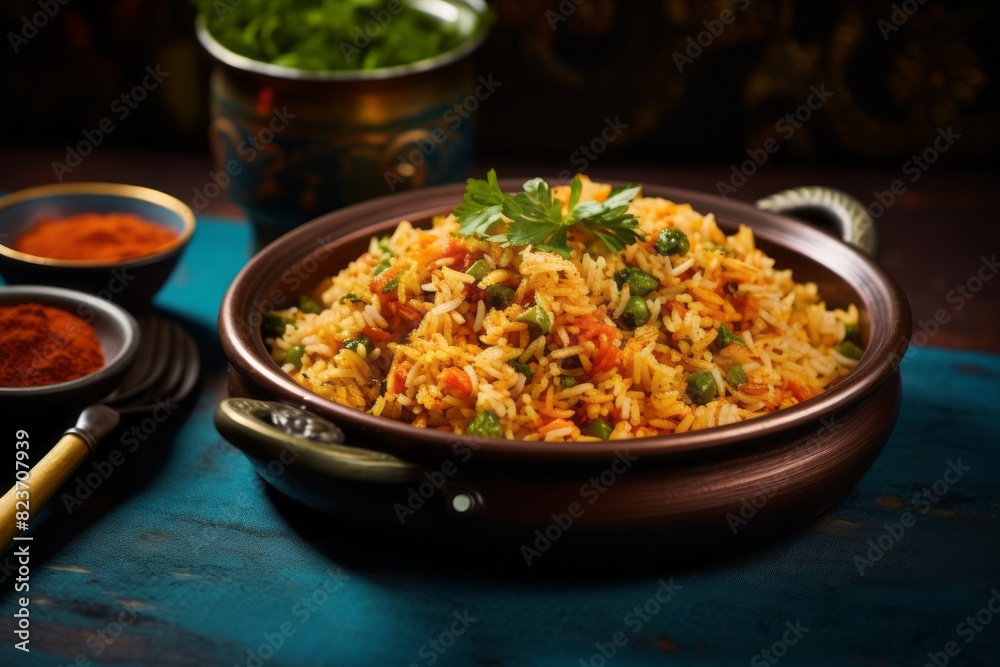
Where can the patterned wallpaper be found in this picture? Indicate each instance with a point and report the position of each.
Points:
(667, 80)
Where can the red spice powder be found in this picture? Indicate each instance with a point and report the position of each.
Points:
(40, 346)
(110, 237)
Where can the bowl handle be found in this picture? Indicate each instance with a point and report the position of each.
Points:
(845, 212)
(267, 430)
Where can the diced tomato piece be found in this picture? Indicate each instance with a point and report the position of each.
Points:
(376, 334)
(457, 382)
(798, 391)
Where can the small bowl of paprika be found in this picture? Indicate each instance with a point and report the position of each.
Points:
(60, 348)
(119, 242)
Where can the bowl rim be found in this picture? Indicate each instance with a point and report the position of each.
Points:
(59, 297)
(123, 190)
(882, 356)
(471, 42)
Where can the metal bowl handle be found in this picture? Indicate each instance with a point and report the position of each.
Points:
(266, 430)
(845, 212)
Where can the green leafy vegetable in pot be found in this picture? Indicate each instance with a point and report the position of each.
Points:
(332, 35)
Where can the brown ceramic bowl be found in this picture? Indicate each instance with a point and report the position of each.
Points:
(787, 467)
(130, 283)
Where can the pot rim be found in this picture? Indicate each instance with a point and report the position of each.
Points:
(889, 330)
(472, 40)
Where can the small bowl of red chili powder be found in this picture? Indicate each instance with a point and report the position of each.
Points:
(119, 242)
(61, 348)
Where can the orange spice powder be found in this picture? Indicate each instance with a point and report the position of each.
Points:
(40, 345)
(109, 237)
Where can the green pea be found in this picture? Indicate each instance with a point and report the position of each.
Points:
(849, 349)
(736, 376)
(568, 381)
(479, 269)
(275, 322)
(485, 425)
(672, 241)
(383, 245)
(727, 337)
(381, 266)
(599, 428)
(363, 340)
(537, 319)
(636, 312)
(498, 296)
(294, 355)
(639, 282)
(701, 388)
(307, 304)
(523, 369)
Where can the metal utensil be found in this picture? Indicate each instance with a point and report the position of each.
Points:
(165, 370)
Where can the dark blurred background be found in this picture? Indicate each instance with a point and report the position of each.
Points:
(898, 72)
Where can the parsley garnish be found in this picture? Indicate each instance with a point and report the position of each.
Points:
(536, 218)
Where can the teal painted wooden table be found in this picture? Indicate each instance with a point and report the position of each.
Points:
(175, 553)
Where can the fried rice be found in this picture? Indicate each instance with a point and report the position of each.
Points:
(406, 334)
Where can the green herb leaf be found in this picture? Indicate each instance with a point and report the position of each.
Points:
(482, 206)
(537, 218)
(727, 337)
(523, 369)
